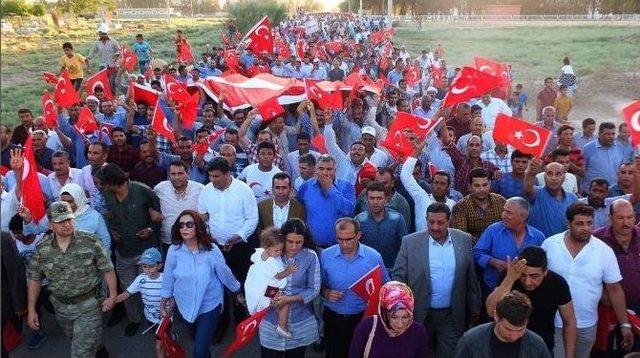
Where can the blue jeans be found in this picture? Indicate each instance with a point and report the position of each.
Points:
(143, 65)
(201, 331)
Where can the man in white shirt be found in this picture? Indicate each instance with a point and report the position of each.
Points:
(374, 155)
(491, 107)
(97, 156)
(347, 166)
(62, 173)
(8, 206)
(588, 265)
(570, 183)
(176, 195)
(421, 198)
(259, 175)
(230, 208)
(303, 140)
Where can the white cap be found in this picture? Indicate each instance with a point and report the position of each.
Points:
(432, 89)
(92, 98)
(368, 130)
(104, 28)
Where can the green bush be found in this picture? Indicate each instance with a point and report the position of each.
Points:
(248, 13)
(15, 7)
(38, 10)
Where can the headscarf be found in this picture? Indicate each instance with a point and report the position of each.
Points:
(394, 296)
(80, 199)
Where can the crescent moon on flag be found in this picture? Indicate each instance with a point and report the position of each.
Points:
(249, 327)
(165, 125)
(424, 126)
(536, 142)
(370, 286)
(47, 103)
(169, 88)
(456, 90)
(26, 169)
(265, 36)
(635, 121)
(96, 84)
(314, 91)
(485, 68)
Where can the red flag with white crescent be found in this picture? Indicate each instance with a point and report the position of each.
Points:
(203, 146)
(49, 110)
(183, 50)
(129, 59)
(32, 196)
(497, 69)
(160, 124)
(143, 94)
(470, 83)
(323, 99)
(270, 109)
(245, 331)
(631, 114)
(65, 94)
(301, 48)
(99, 80)
(260, 38)
(50, 78)
(368, 288)
(86, 121)
(412, 75)
(185, 102)
(397, 141)
(524, 136)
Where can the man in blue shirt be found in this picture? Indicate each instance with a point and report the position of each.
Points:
(504, 240)
(382, 228)
(603, 157)
(548, 202)
(342, 265)
(511, 183)
(326, 199)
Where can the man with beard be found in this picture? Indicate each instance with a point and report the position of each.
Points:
(590, 267)
(176, 195)
(192, 160)
(97, 155)
(603, 157)
(462, 120)
(22, 130)
(120, 153)
(282, 207)
(626, 173)
(598, 200)
(511, 183)
(41, 153)
(427, 108)
(153, 165)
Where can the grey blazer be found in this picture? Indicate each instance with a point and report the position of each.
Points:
(412, 268)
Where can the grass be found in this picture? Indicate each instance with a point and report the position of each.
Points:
(534, 51)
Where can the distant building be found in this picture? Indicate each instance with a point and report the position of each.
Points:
(502, 10)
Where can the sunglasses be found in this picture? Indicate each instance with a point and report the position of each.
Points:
(189, 224)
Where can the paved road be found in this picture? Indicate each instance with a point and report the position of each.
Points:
(57, 345)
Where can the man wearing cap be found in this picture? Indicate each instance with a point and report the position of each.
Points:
(75, 262)
(106, 50)
(376, 156)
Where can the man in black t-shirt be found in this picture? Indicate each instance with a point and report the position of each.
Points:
(549, 293)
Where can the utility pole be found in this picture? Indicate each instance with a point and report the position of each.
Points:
(349, 6)
(390, 8)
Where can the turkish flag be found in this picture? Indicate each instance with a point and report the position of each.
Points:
(319, 143)
(412, 75)
(100, 79)
(397, 141)
(183, 50)
(65, 94)
(368, 288)
(245, 331)
(171, 346)
(497, 69)
(32, 196)
(523, 136)
(86, 121)
(283, 50)
(50, 78)
(185, 102)
(631, 114)
(323, 99)
(202, 147)
(437, 76)
(231, 60)
(49, 110)
(129, 59)
(160, 124)
(468, 84)
(301, 48)
(143, 94)
(260, 38)
(270, 109)
(379, 36)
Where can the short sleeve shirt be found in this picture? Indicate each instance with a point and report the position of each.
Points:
(149, 289)
(74, 65)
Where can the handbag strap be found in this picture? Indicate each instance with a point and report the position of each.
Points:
(372, 334)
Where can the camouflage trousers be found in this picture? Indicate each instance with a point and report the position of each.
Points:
(82, 322)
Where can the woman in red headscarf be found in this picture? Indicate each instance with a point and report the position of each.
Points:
(392, 333)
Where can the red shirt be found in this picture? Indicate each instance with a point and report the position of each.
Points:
(628, 261)
(546, 97)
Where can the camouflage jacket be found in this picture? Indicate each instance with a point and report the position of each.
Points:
(74, 272)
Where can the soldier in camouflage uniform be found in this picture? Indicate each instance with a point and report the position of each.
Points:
(75, 262)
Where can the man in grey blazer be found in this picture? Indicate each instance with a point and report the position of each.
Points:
(438, 266)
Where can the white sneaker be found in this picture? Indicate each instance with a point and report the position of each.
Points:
(283, 333)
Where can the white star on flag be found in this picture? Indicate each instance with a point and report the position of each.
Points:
(518, 135)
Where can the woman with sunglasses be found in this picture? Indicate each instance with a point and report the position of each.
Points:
(302, 287)
(194, 273)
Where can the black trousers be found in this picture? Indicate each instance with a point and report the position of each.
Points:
(238, 259)
(338, 331)
(290, 353)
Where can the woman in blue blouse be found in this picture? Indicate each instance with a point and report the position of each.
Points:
(302, 287)
(194, 273)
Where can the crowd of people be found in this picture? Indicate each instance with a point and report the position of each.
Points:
(485, 251)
